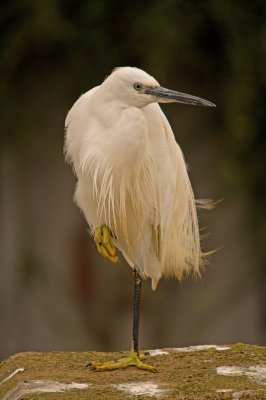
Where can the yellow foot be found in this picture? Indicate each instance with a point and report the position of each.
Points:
(133, 359)
(103, 240)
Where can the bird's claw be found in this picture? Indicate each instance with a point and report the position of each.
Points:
(103, 240)
(133, 359)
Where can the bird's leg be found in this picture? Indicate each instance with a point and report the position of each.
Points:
(133, 358)
(103, 240)
(136, 309)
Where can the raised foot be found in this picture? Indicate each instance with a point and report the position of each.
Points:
(132, 359)
(103, 240)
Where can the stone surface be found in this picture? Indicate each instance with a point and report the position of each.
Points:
(194, 373)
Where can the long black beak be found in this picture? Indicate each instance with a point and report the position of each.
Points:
(164, 95)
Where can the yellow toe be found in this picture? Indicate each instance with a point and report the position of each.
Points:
(132, 360)
(103, 240)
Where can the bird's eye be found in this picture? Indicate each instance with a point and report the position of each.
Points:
(137, 86)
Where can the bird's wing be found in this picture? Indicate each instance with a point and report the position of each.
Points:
(175, 228)
(162, 148)
(75, 125)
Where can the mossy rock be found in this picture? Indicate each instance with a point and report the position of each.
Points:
(195, 373)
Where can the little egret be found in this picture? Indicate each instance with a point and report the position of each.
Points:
(132, 183)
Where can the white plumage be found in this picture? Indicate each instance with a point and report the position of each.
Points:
(131, 173)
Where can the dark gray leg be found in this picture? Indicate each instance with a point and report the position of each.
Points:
(137, 290)
(133, 358)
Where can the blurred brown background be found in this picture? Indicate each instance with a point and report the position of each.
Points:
(56, 293)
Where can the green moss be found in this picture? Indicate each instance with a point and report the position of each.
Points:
(186, 375)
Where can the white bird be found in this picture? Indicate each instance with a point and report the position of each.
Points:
(132, 182)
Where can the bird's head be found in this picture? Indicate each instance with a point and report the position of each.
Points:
(134, 87)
